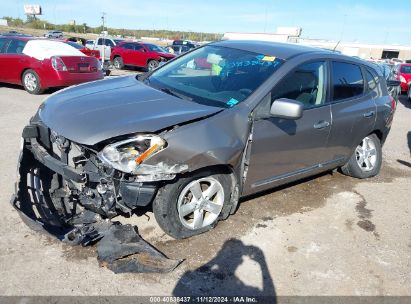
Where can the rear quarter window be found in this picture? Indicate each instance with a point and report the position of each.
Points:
(371, 80)
(347, 80)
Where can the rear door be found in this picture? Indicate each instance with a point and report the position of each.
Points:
(284, 149)
(127, 53)
(3, 71)
(14, 61)
(140, 55)
(353, 107)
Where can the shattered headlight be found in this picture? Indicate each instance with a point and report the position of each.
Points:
(128, 154)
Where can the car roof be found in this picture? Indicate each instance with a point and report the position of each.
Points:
(25, 38)
(277, 49)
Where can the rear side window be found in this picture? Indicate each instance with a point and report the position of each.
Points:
(138, 47)
(128, 46)
(16, 47)
(347, 80)
(100, 41)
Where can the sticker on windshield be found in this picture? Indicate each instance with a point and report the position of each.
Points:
(232, 102)
(268, 58)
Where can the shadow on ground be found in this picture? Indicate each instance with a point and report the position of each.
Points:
(404, 100)
(218, 277)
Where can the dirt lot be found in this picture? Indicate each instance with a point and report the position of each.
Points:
(329, 235)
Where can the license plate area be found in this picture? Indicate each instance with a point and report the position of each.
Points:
(83, 67)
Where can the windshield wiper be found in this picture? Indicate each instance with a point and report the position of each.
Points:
(175, 94)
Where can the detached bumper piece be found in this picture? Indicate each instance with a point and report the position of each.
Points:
(45, 205)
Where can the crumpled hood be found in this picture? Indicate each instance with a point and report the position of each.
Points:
(96, 111)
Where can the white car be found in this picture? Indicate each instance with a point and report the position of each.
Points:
(54, 34)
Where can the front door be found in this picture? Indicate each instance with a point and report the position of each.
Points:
(284, 149)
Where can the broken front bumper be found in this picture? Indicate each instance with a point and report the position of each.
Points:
(49, 198)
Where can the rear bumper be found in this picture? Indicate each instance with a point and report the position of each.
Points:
(65, 79)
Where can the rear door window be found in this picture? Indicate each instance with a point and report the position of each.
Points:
(2, 44)
(16, 46)
(347, 80)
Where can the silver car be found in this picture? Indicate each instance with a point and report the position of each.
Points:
(191, 142)
(54, 34)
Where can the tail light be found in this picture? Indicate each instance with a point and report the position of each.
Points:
(58, 64)
(402, 79)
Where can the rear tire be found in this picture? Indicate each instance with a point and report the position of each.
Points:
(366, 159)
(181, 215)
(118, 63)
(31, 82)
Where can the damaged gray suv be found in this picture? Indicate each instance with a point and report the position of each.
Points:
(223, 121)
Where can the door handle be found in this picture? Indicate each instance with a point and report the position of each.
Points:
(368, 114)
(322, 124)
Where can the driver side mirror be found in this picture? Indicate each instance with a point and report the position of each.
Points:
(287, 109)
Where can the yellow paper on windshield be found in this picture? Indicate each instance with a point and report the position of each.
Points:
(268, 58)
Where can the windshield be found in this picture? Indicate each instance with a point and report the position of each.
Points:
(155, 48)
(215, 76)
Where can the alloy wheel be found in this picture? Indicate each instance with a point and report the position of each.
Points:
(152, 65)
(366, 154)
(200, 203)
(30, 81)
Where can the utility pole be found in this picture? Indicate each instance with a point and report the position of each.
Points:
(103, 47)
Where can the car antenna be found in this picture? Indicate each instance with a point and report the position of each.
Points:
(336, 45)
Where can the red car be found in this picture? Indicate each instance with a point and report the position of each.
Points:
(38, 64)
(138, 54)
(84, 50)
(402, 72)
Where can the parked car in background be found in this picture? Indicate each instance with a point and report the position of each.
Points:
(402, 72)
(138, 54)
(393, 85)
(38, 64)
(188, 43)
(105, 44)
(15, 33)
(84, 50)
(89, 44)
(177, 49)
(191, 142)
(54, 34)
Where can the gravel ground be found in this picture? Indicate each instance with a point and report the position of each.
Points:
(328, 235)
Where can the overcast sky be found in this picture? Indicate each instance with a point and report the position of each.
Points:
(378, 21)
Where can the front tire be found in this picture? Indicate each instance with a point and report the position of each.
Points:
(152, 65)
(118, 63)
(366, 159)
(31, 82)
(193, 204)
